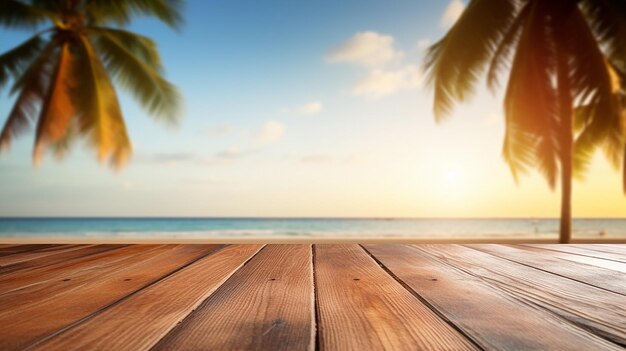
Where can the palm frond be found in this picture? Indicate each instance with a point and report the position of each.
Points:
(100, 116)
(22, 15)
(121, 11)
(141, 46)
(141, 79)
(62, 146)
(503, 52)
(608, 20)
(57, 109)
(530, 101)
(31, 87)
(518, 149)
(455, 63)
(584, 151)
(13, 62)
(595, 83)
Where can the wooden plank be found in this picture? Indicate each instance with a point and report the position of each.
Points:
(581, 250)
(493, 319)
(598, 277)
(620, 247)
(56, 258)
(32, 255)
(612, 249)
(267, 305)
(139, 321)
(43, 314)
(4, 247)
(608, 264)
(15, 249)
(361, 307)
(84, 268)
(32, 293)
(598, 310)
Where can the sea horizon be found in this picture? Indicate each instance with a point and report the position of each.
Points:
(304, 228)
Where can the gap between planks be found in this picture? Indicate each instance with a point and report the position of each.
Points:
(422, 300)
(315, 313)
(117, 326)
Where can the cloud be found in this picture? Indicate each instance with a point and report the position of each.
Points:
(316, 159)
(229, 154)
(270, 131)
(205, 180)
(221, 130)
(367, 49)
(378, 83)
(423, 44)
(452, 13)
(375, 51)
(311, 108)
(352, 159)
(168, 158)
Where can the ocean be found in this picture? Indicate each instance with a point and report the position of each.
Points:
(310, 228)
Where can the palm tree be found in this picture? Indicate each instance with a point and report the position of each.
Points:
(62, 76)
(563, 99)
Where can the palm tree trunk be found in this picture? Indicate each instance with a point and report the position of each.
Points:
(566, 142)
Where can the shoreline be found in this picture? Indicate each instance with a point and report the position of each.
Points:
(301, 240)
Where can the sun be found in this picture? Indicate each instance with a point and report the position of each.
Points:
(453, 176)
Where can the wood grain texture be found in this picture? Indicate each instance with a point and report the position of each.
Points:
(141, 320)
(266, 305)
(612, 249)
(361, 307)
(621, 248)
(492, 318)
(47, 280)
(139, 297)
(608, 264)
(598, 310)
(14, 249)
(60, 257)
(583, 250)
(598, 277)
(38, 253)
(39, 315)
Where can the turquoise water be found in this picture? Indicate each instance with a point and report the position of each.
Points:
(249, 228)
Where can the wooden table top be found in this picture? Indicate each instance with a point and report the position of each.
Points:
(307, 297)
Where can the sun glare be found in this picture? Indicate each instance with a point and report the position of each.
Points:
(452, 176)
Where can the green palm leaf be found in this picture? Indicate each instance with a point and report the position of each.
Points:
(565, 96)
(595, 82)
(13, 62)
(100, 116)
(31, 87)
(608, 19)
(66, 89)
(121, 11)
(531, 128)
(18, 14)
(134, 63)
(141, 46)
(455, 63)
(502, 53)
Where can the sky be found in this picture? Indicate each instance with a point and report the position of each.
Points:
(299, 109)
